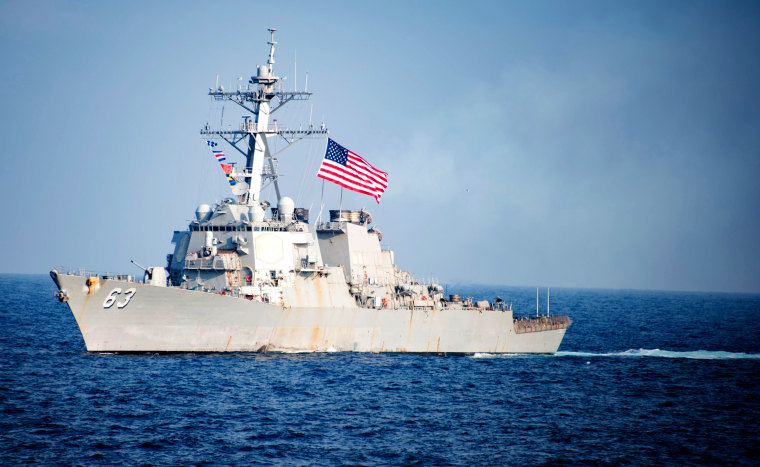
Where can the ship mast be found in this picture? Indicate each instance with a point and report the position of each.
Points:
(261, 99)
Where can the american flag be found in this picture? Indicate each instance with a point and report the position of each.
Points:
(352, 171)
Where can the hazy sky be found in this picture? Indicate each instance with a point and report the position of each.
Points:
(589, 144)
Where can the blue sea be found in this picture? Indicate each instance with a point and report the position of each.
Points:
(642, 378)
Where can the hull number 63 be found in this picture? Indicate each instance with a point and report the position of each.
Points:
(116, 294)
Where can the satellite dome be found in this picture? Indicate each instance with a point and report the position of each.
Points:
(285, 208)
(203, 212)
(256, 213)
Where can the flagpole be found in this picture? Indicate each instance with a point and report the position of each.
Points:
(321, 202)
(340, 207)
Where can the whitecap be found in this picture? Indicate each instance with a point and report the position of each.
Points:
(495, 355)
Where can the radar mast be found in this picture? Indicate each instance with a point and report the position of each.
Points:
(260, 98)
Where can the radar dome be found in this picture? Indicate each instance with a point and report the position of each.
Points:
(256, 213)
(285, 208)
(203, 212)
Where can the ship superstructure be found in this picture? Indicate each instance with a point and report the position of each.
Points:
(247, 276)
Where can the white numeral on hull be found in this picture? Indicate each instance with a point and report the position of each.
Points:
(114, 295)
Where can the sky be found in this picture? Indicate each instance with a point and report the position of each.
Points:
(531, 143)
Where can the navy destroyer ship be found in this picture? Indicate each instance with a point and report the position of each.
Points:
(250, 276)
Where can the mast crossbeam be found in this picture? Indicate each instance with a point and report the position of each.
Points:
(283, 133)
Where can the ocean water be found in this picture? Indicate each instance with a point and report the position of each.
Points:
(642, 378)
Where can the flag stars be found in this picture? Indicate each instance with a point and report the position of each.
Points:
(336, 153)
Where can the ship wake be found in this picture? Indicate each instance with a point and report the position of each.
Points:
(693, 355)
(638, 353)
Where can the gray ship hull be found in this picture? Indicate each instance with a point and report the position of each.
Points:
(171, 319)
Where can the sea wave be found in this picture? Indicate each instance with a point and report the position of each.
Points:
(694, 354)
(497, 355)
